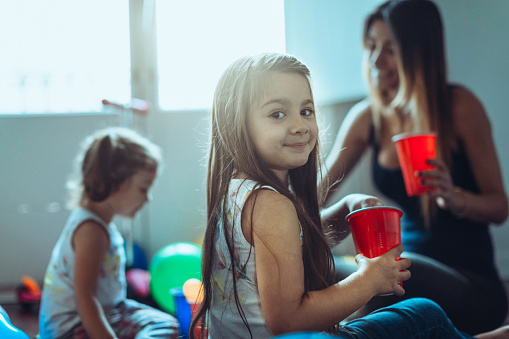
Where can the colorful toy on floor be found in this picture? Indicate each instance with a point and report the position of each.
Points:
(139, 257)
(171, 267)
(305, 335)
(3, 311)
(8, 330)
(187, 302)
(28, 293)
(139, 280)
(182, 311)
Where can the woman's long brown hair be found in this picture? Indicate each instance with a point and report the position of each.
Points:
(241, 87)
(423, 91)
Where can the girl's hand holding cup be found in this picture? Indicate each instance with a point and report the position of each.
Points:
(386, 271)
(376, 232)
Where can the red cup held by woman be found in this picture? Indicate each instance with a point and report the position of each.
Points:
(413, 150)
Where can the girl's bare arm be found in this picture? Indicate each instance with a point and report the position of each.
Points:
(280, 272)
(90, 243)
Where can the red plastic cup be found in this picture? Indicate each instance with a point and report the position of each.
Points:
(413, 150)
(375, 230)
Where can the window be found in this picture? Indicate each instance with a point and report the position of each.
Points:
(63, 56)
(198, 39)
(66, 56)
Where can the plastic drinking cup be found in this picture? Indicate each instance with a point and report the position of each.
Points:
(413, 150)
(375, 230)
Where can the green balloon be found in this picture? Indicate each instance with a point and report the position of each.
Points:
(171, 267)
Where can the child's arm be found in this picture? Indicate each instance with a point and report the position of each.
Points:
(280, 272)
(333, 217)
(90, 243)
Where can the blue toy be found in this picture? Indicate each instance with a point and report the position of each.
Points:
(182, 311)
(171, 267)
(305, 335)
(139, 257)
(9, 331)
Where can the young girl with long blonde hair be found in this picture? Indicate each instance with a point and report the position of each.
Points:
(266, 257)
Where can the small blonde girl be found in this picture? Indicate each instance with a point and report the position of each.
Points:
(84, 294)
(266, 256)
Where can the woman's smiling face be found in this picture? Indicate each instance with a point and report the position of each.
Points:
(380, 53)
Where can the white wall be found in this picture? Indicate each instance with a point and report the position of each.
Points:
(36, 152)
(36, 157)
(328, 39)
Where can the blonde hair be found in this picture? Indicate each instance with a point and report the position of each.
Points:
(107, 158)
(240, 87)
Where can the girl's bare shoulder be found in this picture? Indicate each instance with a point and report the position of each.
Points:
(265, 199)
(267, 208)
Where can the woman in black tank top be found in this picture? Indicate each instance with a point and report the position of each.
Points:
(446, 232)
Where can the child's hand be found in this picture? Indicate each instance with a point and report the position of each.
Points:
(385, 272)
(358, 201)
(333, 217)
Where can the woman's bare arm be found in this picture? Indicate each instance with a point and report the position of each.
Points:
(474, 133)
(90, 243)
(351, 142)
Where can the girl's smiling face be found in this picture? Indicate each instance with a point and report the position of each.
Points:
(283, 125)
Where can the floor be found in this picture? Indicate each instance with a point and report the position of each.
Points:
(26, 318)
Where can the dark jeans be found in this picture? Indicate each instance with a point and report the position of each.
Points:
(416, 318)
(474, 304)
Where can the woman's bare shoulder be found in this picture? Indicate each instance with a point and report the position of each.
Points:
(466, 106)
(468, 113)
(464, 100)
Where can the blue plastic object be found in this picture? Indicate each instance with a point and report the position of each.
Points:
(9, 331)
(139, 257)
(182, 310)
(305, 335)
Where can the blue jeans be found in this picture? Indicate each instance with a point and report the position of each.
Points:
(416, 318)
(474, 303)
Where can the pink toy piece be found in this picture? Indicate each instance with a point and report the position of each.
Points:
(139, 279)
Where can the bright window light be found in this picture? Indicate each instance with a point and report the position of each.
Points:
(198, 39)
(63, 56)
